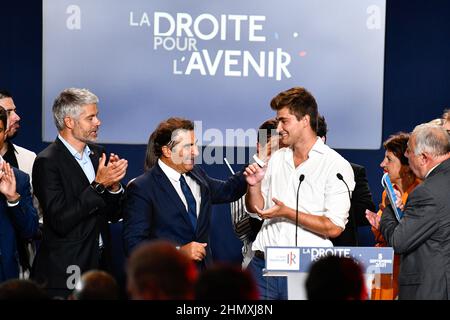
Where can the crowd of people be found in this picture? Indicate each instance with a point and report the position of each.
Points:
(56, 207)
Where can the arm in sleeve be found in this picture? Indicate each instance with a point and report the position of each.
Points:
(418, 223)
(62, 212)
(137, 218)
(227, 191)
(361, 197)
(24, 215)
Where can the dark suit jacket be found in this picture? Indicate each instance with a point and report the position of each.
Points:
(422, 238)
(21, 220)
(153, 209)
(361, 200)
(74, 215)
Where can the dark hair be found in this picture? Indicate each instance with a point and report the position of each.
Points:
(397, 144)
(300, 102)
(335, 278)
(97, 285)
(158, 264)
(4, 117)
(5, 94)
(21, 289)
(446, 114)
(161, 137)
(266, 130)
(322, 127)
(226, 282)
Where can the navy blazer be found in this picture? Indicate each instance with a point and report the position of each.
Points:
(153, 209)
(21, 220)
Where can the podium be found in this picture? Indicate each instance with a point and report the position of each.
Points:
(294, 263)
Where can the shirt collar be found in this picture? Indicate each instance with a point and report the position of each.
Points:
(170, 172)
(318, 147)
(73, 151)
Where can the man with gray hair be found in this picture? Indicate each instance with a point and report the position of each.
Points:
(79, 190)
(422, 236)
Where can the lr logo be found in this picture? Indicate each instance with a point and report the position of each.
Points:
(74, 272)
(291, 258)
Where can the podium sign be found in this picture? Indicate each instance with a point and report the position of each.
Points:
(295, 262)
(299, 259)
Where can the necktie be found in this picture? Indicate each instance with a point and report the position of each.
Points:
(192, 205)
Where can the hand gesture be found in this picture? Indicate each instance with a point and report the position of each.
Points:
(110, 175)
(8, 182)
(398, 202)
(276, 211)
(195, 250)
(373, 218)
(254, 174)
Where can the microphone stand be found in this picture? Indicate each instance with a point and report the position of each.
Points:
(355, 231)
(301, 178)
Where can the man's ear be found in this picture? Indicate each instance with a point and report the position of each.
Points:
(69, 122)
(166, 152)
(306, 118)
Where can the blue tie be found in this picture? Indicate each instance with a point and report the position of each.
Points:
(192, 205)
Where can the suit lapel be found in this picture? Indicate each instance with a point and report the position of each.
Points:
(68, 160)
(164, 182)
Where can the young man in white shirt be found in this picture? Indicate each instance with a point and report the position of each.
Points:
(323, 200)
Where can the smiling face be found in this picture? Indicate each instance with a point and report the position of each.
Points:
(289, 128)
(85, 127)
(182, 154)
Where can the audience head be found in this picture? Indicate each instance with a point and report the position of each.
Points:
(297, 115)
(75, 111)
(322, 128)
(174, 143)
(336, 278)
(20, 289)
(226, 282)
(158, 271)
(395, 163)
(96, 285)
(446, 119)
(268, 140)
(428, 146)
(7, 103)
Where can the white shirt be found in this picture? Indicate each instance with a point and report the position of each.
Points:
(174, 177)
(321, 193)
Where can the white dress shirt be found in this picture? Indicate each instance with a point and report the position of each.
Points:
(321, 193)
(174, 178)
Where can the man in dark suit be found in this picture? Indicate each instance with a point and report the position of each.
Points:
(173, 200)
(18, 217)
(361, 199)
(422, 236)
(79, 191)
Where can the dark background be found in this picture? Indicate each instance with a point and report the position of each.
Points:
(416, 90)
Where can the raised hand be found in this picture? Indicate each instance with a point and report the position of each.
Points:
(254, 174)
(8, 182)
(110, 175)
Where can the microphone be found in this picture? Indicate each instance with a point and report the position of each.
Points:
(352, 216)
(301, 178)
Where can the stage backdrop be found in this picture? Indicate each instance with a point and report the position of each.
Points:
(219, 62)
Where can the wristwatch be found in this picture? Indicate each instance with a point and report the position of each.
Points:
(98, 187)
